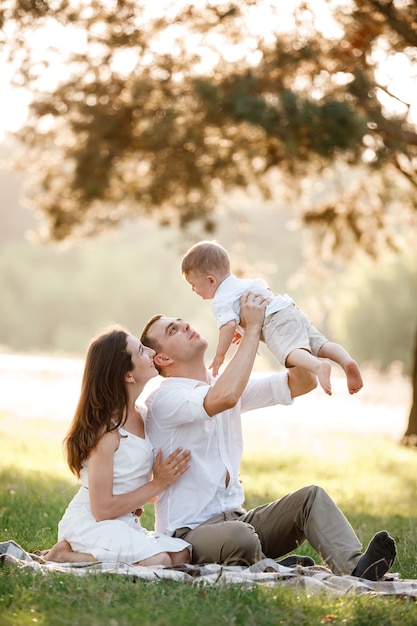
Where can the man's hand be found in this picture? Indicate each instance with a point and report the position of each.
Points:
(229, 386)
(252, 310)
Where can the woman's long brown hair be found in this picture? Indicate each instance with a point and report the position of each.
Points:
(103, 400)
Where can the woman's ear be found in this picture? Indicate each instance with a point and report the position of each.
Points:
(129, 378)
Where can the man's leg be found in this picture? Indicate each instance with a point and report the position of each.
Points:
(222, 539)
(308, 513)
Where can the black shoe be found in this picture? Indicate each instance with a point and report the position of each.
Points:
(296, 559)
(378, 557)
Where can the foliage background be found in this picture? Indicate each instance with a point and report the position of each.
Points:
(195, 115)
(56, 297)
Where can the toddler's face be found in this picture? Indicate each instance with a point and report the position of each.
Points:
(204, 286)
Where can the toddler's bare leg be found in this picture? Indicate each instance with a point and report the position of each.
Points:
(322, 369)
(338, 354)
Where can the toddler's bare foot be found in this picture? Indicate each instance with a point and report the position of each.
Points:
(323, 372)
(353, 375)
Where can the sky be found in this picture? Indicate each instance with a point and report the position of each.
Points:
(397, 73)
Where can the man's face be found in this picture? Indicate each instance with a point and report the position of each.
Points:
(176, 338)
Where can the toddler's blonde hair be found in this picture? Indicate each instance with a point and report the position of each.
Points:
(206, 257)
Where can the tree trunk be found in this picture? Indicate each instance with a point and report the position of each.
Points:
(410, 435)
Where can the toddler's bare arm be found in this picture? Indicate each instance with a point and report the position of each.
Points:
(226, 334)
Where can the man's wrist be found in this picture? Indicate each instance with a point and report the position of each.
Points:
(253, 330)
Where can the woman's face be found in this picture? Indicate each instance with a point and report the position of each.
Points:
(142, 360)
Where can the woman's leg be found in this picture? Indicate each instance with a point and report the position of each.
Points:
(62, 552)
(162, 558)
(180, 557)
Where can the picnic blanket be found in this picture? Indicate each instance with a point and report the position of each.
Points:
(314, 579)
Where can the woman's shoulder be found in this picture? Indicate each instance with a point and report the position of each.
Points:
(109, 440)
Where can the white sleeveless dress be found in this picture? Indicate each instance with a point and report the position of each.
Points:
(123, 538)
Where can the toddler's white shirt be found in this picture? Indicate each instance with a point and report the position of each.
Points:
(225, 305)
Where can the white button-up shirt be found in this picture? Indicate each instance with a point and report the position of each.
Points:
(177, 418)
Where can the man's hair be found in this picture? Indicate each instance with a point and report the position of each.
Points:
(205, 257)
(150, 342)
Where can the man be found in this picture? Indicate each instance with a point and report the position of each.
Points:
(192, 410)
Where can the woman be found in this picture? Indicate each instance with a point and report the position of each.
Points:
(107, 447)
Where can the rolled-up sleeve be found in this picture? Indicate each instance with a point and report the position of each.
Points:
(265, 391)
(223, 314)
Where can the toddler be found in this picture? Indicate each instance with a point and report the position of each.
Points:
(287, 332)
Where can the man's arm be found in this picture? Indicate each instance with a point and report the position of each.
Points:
(228, 388)
(300, 381)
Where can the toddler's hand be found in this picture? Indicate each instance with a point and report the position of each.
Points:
(215, 365)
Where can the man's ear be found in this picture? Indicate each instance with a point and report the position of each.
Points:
(162, 360)
(211, 279)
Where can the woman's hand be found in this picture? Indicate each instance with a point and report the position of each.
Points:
(167, 471)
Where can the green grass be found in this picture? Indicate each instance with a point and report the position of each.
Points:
(371, 478)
